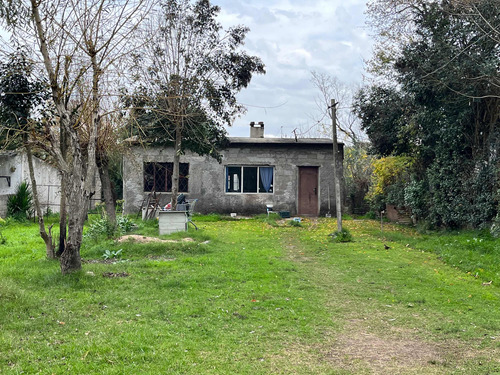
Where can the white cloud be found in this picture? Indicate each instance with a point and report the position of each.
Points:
(293, 38)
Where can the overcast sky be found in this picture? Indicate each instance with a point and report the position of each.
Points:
(293, 38)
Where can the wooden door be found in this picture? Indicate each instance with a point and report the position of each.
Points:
(308, 191)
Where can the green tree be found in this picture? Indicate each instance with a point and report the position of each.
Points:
(189, 73)
(446, 110)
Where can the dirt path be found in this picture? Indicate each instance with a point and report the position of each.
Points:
(370, 345)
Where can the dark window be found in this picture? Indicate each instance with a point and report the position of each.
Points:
(249, 179)
(158, 177)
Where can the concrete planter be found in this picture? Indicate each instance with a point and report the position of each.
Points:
(172, 221)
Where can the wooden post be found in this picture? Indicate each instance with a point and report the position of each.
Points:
(338, 196)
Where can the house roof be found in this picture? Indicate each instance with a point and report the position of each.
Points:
(281, 141)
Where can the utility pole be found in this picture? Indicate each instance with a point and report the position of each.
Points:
(338, 193)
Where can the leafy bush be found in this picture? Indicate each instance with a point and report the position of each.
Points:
(416, 196)
(341, 236)
(462, 193)
(119, 206)
(102, 227)
(390, 176)
(370, 215)
(495, 226)
(98, 228)
(124, 224)
(19, 205)
(2, 238)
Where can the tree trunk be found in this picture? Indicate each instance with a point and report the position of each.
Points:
(47, 237)
(175, 172)
(107, 190)
(78, 203)
(63, 220)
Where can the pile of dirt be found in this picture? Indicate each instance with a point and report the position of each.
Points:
(145, 239)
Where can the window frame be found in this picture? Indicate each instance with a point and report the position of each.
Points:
(229, 182)
(167, 167)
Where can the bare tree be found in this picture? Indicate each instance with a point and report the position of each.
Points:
(78, 43)
(330, 87)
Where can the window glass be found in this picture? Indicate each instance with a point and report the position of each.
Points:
(183, 177)
(241, 179)
(149, 176)
(233, 179)
(249, 179)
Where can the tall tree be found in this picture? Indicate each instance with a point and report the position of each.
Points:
(190, 71)
(444, 106)
(79, 43)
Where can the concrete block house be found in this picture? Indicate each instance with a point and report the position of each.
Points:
(294, 175)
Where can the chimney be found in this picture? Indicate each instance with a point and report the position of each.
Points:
(257, 130)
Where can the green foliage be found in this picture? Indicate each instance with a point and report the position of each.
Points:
(19, 205)
(124, 224)
(295, 223)
(271, 219)
(341, 236)
(461, 197)
(98, 228)
(416, 198)
(3, 240)
(110, 254)
(370, 215)
(384, 116)
(358, 167)
(448, 56)
(101, 227)
(390, 176)
(20, 92)
(119, 206)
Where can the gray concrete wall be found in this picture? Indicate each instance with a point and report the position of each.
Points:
(207, 177)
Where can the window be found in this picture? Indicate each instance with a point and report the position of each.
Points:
(249, 179)
(158, 177)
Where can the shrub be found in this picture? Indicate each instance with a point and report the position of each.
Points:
(19, 205)
(98, 228)
(124, 224)
(416, 196)
(341, 236)
(390, 176)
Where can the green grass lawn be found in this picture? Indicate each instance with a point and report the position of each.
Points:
(254, 297)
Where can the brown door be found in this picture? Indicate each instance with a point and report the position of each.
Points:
(308, 191)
